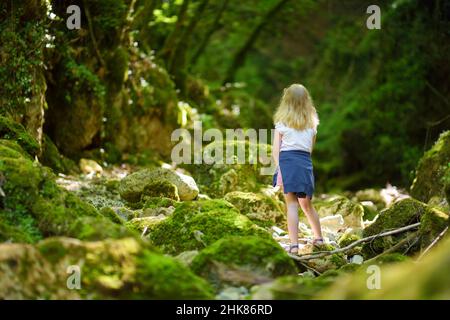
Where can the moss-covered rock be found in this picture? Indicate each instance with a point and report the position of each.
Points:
(37, 207)
(261, 209)
(132, 186)
(112, 215)
(161, 188)
(11, 130)
(51, 157)
(347, 239)
(351, 211)
(217, 179)
(427, 279)
(431, 170)
(402, 213)
(111, 269)
(159, 202)
(143, 223)
(196, 224)
(243, 261)
(329, 262)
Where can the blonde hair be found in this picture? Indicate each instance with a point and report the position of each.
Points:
(296, 109)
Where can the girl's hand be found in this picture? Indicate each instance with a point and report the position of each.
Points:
(276, 146)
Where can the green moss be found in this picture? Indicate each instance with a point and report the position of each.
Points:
(144, 223)
(97, 228)
(347, 239)
(261, 209)
(253, 255)
(167, 278)
(52, 158)
(11, 130)
(161, 188)
(196, 224)
(36, 206)
(431, 170)
(432, 222)
(110, 269)
(112, 215)
(159, 202)
(117, 68)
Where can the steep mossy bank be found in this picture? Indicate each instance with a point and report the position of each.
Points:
(34, 206)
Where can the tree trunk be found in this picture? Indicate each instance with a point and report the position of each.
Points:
(205, 41)
(240, 56)
(177, 65)
(168, 49)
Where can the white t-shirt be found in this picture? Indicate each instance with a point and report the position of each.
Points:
(293, 139)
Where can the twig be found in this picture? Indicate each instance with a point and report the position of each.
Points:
(144, 232)
(309, 268)
(433, 243)
(320, 254)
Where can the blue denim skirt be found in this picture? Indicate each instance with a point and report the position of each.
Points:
(296, 173)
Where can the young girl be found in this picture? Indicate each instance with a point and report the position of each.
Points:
(296, 123)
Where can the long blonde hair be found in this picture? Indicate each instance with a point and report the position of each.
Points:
(296, 109)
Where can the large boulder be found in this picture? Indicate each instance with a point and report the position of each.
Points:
(221, 177)
(110, 269)
(132, 187)
(402, 213)
(260, 208)
(197, 224)
(351, 211)
(242, 261)
(432, 169)
(34, 206)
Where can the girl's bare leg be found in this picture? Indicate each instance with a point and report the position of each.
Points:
(292, 218)
(312, 216)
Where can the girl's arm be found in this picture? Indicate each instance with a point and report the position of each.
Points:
(314, 142)
(276, 146)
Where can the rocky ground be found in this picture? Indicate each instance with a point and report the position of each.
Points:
(217, 231)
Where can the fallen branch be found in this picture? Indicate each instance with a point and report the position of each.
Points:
(394, 248)
(433, 243)
(321, 254)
